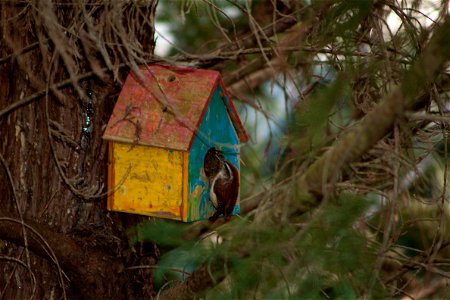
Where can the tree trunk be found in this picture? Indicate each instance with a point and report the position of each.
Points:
(53, 161)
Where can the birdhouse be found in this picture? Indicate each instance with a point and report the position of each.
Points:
(163, 123)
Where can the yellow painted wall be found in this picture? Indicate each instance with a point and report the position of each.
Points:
(154, 184)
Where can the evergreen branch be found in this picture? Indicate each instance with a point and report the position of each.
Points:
(317, 181)
(377, 123)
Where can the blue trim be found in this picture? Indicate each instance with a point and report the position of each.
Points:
(216, 130)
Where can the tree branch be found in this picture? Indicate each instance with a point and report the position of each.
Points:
(196, 284)
(377, 123)
(84, 264)
(319, 178)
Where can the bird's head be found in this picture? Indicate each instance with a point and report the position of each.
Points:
(213, 162)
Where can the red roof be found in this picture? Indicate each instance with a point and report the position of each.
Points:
(164, 108)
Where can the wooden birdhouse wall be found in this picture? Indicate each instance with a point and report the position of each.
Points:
(216, 129)
(142, 172)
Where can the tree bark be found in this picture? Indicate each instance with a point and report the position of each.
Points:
(60, 77)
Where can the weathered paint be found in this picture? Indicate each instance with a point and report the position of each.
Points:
(216, 129)
(154, 180)
(164, 110)
(172, 116)
(185, 203)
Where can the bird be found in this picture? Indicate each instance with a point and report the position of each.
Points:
(223, 177)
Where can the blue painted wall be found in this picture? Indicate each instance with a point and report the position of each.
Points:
(216, 129)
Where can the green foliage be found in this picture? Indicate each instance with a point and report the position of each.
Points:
(312, 120)
(337, 256)
(332, 252)
(161, 231)
(180, 258)
(343, 19)
(329, 257)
